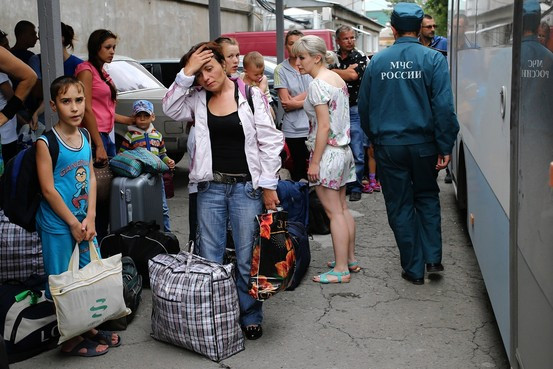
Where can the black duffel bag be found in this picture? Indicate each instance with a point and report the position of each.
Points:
(132, 293)
(141, 241)
(28, 321)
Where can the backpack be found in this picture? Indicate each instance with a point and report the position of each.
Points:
(28, 321)
(20, 192)
(132, 293)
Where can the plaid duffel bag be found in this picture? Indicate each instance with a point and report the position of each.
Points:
(195, 305)
(20, 252)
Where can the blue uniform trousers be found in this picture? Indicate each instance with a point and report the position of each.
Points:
(408, 177)
(357, 138)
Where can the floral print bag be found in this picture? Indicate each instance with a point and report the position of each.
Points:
(274, 257)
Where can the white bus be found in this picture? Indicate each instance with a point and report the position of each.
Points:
(502, 78)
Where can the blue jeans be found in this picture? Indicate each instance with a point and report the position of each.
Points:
(57, 250)
(102, 212)
(240, 204)
(109, 145)
(356, 144)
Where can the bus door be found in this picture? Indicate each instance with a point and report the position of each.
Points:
(533, 323)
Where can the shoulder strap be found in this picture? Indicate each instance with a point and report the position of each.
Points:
(85, 132)
(246, 91)
(250, 98)
(53, 146)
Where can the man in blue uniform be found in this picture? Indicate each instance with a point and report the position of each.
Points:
(406, 108)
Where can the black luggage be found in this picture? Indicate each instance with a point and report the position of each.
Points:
(132, 292)
(141, 241)
(28, 321)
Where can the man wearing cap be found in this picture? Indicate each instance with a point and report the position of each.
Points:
(406, 108)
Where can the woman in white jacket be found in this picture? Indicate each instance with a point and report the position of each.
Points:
(235, 163)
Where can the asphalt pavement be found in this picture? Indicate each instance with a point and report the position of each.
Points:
(377, 321)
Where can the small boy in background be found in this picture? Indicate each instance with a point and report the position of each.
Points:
(143, 134)
(253, 75)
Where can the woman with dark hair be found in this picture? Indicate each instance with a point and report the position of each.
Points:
(235, 163)
(100, 98)
(100, 93)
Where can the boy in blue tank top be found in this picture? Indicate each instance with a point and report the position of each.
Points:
(68, 210)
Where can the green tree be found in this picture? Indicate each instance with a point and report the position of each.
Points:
(436, 8)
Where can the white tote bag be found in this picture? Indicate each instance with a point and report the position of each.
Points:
(87, 297)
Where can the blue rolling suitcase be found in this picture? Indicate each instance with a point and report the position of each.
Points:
(136, 199)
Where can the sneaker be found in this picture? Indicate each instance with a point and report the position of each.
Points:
(355, 196)
(367, 188)
(375, 185)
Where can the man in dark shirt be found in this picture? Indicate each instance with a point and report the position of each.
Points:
(428, 35)
(25, 38)
(351, 66)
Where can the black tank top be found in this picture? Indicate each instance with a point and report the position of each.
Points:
(227, 142)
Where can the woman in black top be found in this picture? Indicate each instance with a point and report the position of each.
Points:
(235, 163)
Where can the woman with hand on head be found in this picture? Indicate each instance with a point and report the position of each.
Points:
(331, 164)
(235, 163)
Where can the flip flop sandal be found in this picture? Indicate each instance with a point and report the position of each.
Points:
(353, 266)
(104, 338)
(323, 278)
(90, 347)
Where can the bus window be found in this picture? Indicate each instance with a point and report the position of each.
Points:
(535, 195)
(495, 23)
